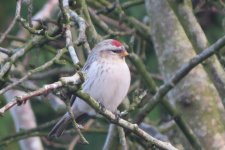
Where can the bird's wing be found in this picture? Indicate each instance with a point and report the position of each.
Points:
(91, 58)
(85, 69)
(72, 99)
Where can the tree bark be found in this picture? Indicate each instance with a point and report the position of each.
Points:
(199, 41)
(195, 95)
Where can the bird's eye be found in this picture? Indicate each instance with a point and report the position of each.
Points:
(117, 51)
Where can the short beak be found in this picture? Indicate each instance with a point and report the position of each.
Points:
(124, 53)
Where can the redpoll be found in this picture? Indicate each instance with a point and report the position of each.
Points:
(108, 81)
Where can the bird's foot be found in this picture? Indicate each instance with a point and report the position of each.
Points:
(102, 107)
(20, 101)
(118, 115)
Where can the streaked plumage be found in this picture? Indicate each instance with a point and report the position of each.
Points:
(108, 81)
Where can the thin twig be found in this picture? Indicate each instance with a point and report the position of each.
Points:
(36, 41)
(12, 24)
(141, 28)
(52, 72)
(29, 12)
(27, 133)
(82, 27)
(172, 111)
(92, 35)
(102, 25)
(75, 140)
(180, 74)
(32, 30)
(129, 4)
(75, 80)
(122, 137)
(41, 68)
(14, 38)
(64, 6)
(38, 131)
(165, 88)
(75, 125)
(22, 99)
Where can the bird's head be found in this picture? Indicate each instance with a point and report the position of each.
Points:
(110, 49)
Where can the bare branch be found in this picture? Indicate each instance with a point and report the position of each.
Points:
(180, 74)
(75, 125)
(72, 15)
(22, 99)
(75, 140)
(30, 73)
(12, 24)
(123, 123)
(21, 52)
(75, 79)
(122, 137)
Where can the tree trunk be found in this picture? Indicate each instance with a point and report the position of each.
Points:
(196, 96)
(199, 41)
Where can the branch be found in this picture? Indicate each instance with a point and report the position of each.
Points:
(75, 80)
(75, 140)
(20, 121)
(41, 68)
(46, 11)
(53, 72)
(38, 131)
(180, 74)
(173, 81)
(36, 41)
(103, 26)
(17, 15)
(129, 4)
(22, 99)
(172, 111)
(14, 38)
(92, 35)
(82, 27)
(66, 12)
(141, 28)
(75, 125)
(122, 137)
(32, 30)
(123, 123)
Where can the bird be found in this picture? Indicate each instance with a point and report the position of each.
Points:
(107, 81)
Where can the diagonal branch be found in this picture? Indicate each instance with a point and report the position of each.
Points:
(123, 123)
(180, 74)
(75, 80)
(17, 15)
(30, 73)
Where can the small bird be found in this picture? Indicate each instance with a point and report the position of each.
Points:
(107, 81)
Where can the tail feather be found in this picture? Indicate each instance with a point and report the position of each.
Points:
(60, 126)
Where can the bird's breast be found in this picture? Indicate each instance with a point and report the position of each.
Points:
(108, 83)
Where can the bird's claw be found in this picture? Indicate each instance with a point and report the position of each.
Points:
(19, 101)
(118, 115)
(102, 107)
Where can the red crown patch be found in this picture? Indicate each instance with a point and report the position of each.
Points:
(116, 43)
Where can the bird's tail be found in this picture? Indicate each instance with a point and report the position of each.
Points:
(60, 126)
